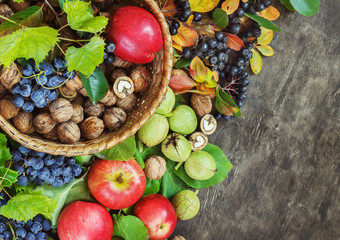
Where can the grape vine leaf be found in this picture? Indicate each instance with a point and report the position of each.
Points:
(256, 62)
(91, 56)
(203, 5)
(7, 176)
(80, 18)
(264, 22)
(5, 153)
(220, 18)
(223, 166)
(226, 105)
(121, 152)
(29, 17)
(96, 85)
(306, 7)
(129, 227)
(25, 206)
(27, 43)
(288, 5)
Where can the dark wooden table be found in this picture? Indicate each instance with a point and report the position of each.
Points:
(286, 153)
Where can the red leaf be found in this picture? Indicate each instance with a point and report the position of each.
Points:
(180, 83)
(234, 42)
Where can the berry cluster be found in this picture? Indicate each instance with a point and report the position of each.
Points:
(109, 57)
(5, 233)
(38, 228)
(257, 6)
(38, 86)
(41, 168)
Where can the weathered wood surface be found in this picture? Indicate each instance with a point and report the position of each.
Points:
(286, 153)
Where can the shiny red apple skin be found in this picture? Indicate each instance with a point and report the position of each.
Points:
(116, 184)
(85, 221)
(136, 34)
(158, 215)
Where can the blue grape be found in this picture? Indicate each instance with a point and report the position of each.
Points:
(68, 178)
(46, 67)
(41, 103)
(56, 171)
(23, 149)
(18, 224)
(22, 180)
(28, 107)
(70, 161)
(18, 101)
(3, 227)
(49, 160)
(69, 75)
(38, 182)
(76, 169)
(66, 170)
(6, 235)
(16, 156)
(30, 236)
(25, 81)
(59, 160)
(16, 89)
(44, 173)
(52, 96)
(27, 70)
(21, 232)
(28, 224)
(38, 154)
(42, 236)
(45, 91)
(37, 163)
(59, 62)
(29, 160)
(58, 182)
(47, 225)
(38, 218)
(41, 79)
(25, 90)
(50, 179)
(18, 168)
(37, 95)
(54, 81)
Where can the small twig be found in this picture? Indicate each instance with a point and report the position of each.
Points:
(60, 49)
(54, 12)
(63, 27)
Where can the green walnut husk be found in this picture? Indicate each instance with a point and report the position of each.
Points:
(200, 165)
(183, 120)
(186, 204)
(168, 103)
(154, 130)
(176, 147)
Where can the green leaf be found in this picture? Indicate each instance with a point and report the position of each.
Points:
(182, 62)
(76, 190)
(152, 187)
(95, 85)
(288, 5)
(29, 17)
(80, 18)
(18, 1)
(171, 184)
(175, 53)
(222, 163)
(220, 18)
(25, 206)
(264, 22)
(7, 176)
(91, 56)
(27, 43)
(306, 7)
(120, 152)
(226, 105)
(83, 159)
(129, 227)
(139, 158)
(5, 153)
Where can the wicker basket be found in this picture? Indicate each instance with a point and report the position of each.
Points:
(145, 108)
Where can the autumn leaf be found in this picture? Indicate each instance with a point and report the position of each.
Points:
(185, 37)
(169, 8)
(270, 13)
(203, 5)
(216, 76)
(256, 62)
(209, 80)
(266, 36)
(230, 6)
(205, 90)
(267, 51)
(226, 105)
(181, 83)
(198, 71)
(234, 42)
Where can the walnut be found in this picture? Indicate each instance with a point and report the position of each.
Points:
(44, 123)
(121, 63)
(198, 141)
(67, 92)
(114, 118)
(92, 127)
(128, 103)
(79, 100)
(23, 121)
(7, 109)
(95, 110)
(178, 237)
(201, 104)
(74, 84)
(52, 135)
(2, 90)
(179, 72)
(10, 76)
(155, 167)
(141, 78)
(61, 110)
(5, 11)
(68, 132)
(83, 92)
(16, 7)
(110, 98)
(78, 113)
(208, 124)
(123, 86)
(116, 73)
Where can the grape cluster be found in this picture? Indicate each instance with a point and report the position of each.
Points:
(40, 168)
(5, 233)
(109, 57)
(38, 228)
(37, 87)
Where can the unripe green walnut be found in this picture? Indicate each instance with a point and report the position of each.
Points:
(200, 165)
(183, 120)
(167, 103)
(176, 147)
(186, 204)
(154, 130)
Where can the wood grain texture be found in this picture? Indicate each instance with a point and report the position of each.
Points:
(285, 183)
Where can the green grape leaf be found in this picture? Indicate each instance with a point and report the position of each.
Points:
(7, 176)
(120, 152)
(264, 22)
(220, 18)
(95, 85)
(226, 105)
(81, 19)
(182, 62)
(27, 43)
(256, 62)
(5, 153)
(86, 58)
(129, 227)
(306, 7)
(152, 187)
(25, 206)
(288, 5)
(223, 166)
(29, 17)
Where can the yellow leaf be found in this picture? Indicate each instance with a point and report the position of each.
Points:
(256, 62)
(216, 76)
(205, 90)
(190, 20)
(178, 47)
(209, 80)
(185, 37)
(198, 70)
(270, 13)
(230, 6)
(267, 51)
(266, 36)
(203, 5)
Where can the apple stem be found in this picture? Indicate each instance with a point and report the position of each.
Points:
(119, 179)
(178, 165)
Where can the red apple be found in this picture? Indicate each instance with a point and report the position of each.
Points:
(158, 215)
(136, 34)
(116, 184)
(86, 221)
